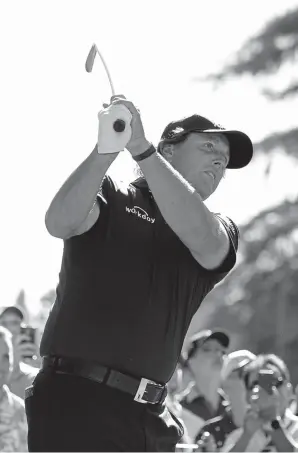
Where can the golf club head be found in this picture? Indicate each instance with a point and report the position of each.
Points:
(90, 59)
(119, 124)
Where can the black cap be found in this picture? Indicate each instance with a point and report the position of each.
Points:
(12, 309)
(241, 148)
(197, 340)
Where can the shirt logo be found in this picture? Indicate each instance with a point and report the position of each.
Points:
(139, 212)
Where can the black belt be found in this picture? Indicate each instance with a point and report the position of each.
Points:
(143, 390)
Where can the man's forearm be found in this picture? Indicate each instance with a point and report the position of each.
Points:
(75, 199)
(282, 441)
(181, 207)
(241, 444)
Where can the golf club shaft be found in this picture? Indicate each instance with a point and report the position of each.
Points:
(107, 71)
(119, 125)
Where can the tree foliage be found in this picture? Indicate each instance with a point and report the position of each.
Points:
(264, 53)
(285, 141)
(257, 302)
(48, 298)
(21, 303)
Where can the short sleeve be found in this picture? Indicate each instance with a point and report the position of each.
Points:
(106, 191)
(233, 233)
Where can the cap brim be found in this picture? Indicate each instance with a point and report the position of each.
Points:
(243, 363)
(15, 310)
(221, 337)
(241, 147)
(228, 369)
(200, 338)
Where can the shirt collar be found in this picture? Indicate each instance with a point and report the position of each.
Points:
(140, 183)
(194, 394)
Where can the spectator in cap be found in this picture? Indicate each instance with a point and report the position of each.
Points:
(13, 424)
(214, 433)
(268, 424)
(12, 317)
(23, 373)
(203, 399)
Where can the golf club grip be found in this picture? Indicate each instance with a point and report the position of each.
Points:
(119, 125)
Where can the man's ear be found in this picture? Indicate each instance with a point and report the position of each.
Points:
(167, 150)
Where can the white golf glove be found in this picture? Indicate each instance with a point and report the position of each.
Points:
(110, 141)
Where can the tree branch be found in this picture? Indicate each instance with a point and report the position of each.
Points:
(264, 53)
(286, 140)
(291, 90)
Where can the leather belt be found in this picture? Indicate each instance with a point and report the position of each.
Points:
(143, 390)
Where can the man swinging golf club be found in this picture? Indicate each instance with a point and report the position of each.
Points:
(137, 263)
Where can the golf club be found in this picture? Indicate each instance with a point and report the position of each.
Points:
(119, 124)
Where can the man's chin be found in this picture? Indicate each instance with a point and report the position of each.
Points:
(204, 192)
(204, 196)
(217, 367)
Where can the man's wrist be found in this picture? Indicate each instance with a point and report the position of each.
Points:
(106, 157)
(149, 151)
(247, 433)
(139, 147)
(244, 440)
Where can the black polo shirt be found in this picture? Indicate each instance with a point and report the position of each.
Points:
(200, 406)
(196, 411)
(129, 287)
(219, 427)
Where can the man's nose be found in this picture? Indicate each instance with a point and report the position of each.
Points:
(219, 354)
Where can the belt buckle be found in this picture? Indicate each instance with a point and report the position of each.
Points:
(142, 389)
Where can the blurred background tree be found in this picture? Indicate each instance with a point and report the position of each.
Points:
(21, 303)
(258, 301)
(266, 55)
(46, 303)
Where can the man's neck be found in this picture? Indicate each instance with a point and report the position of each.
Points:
(208, 388)
(238, 411)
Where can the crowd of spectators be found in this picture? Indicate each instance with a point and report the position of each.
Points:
(235, 401)
(226, 401)
(18, 367)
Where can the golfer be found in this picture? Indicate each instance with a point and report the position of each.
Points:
(138, 261)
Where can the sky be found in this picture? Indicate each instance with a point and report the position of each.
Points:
(154, 51)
